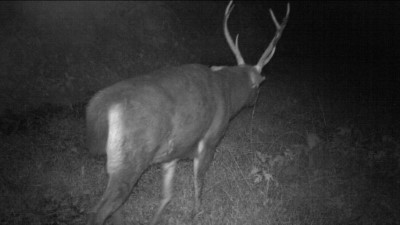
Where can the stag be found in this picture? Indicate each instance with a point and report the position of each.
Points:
(167, 115)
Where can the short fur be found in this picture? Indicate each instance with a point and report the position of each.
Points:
(165, 115)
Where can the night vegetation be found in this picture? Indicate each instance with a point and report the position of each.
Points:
(321, 146)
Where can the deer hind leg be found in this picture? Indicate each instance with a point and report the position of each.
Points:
(205, 154)
(168, 175)
(117, 217)
(118, 189)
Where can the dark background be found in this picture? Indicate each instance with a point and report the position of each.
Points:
(355, 42)
(323, 135)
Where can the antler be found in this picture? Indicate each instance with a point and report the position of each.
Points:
(269, 52)
(234, 46)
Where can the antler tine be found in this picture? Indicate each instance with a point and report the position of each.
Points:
(234, 46)
(269, 52)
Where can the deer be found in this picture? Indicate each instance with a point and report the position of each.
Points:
(170, 114)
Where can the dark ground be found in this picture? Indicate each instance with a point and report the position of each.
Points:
(321, 146)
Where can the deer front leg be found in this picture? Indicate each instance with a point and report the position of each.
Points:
(169, 171)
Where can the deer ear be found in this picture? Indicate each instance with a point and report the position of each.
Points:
(256, 79)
